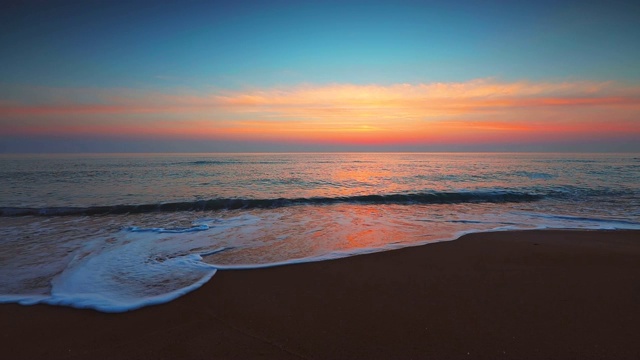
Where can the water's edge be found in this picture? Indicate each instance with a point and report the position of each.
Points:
(96, 302)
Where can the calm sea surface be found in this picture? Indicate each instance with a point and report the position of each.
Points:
(117, 232)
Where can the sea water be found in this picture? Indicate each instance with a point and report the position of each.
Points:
(121, 231)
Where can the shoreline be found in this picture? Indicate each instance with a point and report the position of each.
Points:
(507, 294)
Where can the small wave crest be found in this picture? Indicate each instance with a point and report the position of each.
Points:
(231, 162)
(179, 230)
(212, 162)
(534, 175)
(233, 204)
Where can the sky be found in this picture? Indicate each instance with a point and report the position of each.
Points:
(234, 76)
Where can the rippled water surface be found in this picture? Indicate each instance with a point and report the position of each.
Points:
(90, 180)
(116, 232)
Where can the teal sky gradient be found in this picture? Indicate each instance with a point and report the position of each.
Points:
(113, 44)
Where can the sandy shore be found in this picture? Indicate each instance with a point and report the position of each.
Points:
(524, 295)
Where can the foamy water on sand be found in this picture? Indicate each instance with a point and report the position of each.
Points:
(118, 232)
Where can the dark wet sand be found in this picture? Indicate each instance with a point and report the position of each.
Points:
(521, 295)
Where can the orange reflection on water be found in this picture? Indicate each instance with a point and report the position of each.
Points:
(361, 176)
(368, 228)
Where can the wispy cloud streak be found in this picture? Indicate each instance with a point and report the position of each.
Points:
(478, 110)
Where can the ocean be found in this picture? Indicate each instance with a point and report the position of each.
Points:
(116, 232)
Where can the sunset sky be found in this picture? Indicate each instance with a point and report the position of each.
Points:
(114, 76)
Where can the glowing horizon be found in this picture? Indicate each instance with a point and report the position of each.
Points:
(477, 110)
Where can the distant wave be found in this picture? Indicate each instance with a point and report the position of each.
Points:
(534, 175)
(232, 204)
(212, 162)
(230, 162)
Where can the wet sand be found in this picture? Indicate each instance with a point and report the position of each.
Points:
(520, 295)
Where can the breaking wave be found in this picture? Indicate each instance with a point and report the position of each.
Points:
(239, 203)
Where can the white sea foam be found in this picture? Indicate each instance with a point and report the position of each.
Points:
(132, 268)
(154, 259)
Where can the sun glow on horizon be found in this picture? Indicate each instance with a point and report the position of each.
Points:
(482, 110)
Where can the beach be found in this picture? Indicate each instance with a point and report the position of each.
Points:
(554, 294)
(319, 180)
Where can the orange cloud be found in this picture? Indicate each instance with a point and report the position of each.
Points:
(478, 110)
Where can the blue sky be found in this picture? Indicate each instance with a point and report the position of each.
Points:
(228, 44)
